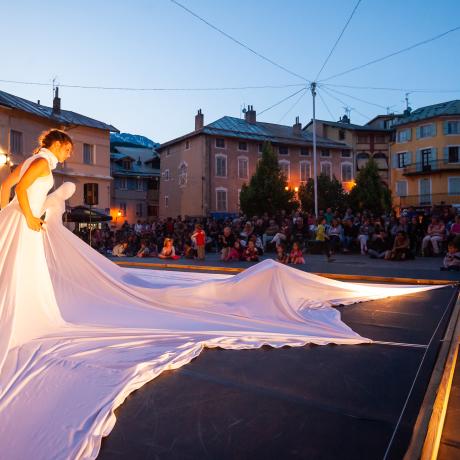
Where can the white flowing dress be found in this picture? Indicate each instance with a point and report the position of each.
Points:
(78, 333)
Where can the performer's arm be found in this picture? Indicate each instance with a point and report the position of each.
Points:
(7, 185)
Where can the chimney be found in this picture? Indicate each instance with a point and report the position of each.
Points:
(250, 115)
(297, 127)
(199, 120)
(56, 102)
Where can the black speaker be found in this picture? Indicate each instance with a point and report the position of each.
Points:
(91, 194)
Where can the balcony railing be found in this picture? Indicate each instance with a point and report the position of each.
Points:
(430, 167)
(435, 199)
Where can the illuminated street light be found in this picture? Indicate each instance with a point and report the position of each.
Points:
(286, 188)
(296, 189)
(4, 159)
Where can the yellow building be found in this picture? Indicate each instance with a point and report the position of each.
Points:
(426, 157)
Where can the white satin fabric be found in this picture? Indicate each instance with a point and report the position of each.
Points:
(79, 333)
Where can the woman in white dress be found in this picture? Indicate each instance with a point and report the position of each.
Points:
(79, 333)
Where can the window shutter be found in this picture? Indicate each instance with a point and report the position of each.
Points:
(417, 132)
(446, 127)
(418, 159)
(410, 134)
(409, 158)
(446, 154)
(434, 129)
(395, 160)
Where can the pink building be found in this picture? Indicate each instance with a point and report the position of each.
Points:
(203, 171)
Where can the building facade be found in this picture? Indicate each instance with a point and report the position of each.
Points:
(21, 123)
(203, 171)
(366, 141)
(426, 157)
(135, 167)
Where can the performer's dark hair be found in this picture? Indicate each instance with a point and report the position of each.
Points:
(47, 138)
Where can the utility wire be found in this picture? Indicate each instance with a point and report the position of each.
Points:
(325, 105)
(357, 98)
(428, 40)
(345, 104)
(293, 105)
(338, 39)
(225, 34)
(122, 88)
(282, 100)
(405, 90)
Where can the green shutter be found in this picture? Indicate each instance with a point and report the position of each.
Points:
(408, 158)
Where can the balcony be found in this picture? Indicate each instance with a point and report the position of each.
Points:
(435, 199)
(430, 167)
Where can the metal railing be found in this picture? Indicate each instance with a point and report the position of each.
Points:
(430, 167)
(436, 199)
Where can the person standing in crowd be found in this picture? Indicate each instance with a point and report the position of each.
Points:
(199, 237)
(322, 238)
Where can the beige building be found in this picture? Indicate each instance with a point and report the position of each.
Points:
(367, 141)
(203, 171)
(22, 121)
(426, 156)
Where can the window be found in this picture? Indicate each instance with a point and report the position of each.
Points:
(168, 152)
(305, 171)
(220, 143)
(341, 134)
(403, 159)
(283, 150)
(346, 154)
(182, 174)
(285, 168)
(453, 154)
(123, 183)
(166, 201)
(123, 209)
(362, 139)
(379, 139)
(139, 210)
(221, 199)
(166, 174)
(16, 142)
(88, 154)
(260, 148)
(326, 168)
(452, 127)
(325, 153)
(425, 191)
(140, 185)
(347, 172)
(403, 135)
(425, 131)
(401, 187)
(304, 152)
(243, 146)
(361, 160)
(243, 168)
(221, 165)
(454, 185)
(126, 164)
(187, 145)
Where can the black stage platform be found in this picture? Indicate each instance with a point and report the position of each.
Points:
(312, 402)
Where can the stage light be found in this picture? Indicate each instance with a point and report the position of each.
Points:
(3, 159)
(119, 213)
(296, 189)
(286, 188)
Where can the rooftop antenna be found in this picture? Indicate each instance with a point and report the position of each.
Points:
(407, 100)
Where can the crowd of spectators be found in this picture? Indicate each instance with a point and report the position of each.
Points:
(289, 237)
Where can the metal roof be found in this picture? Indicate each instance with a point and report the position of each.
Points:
(141, 157)
(431, 111)
(65, 117)
(351, 126)
(258, 131)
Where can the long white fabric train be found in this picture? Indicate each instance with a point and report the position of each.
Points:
(79, 333)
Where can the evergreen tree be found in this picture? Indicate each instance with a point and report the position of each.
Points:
(266, 191)
(330, 194)
(370, 192)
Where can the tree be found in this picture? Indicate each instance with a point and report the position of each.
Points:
(370, 192)
(266, 191)
(330, 194)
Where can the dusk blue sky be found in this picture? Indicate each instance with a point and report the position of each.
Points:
(157, 44)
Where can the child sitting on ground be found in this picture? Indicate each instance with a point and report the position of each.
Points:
(296, 256)
(168, 251)
(452, 258)
(235, 252)
(144, 250)
(281, 255)
(250, 253)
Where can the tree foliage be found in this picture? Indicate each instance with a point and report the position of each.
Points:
(330, 194)
(266, 191)
(370, 192)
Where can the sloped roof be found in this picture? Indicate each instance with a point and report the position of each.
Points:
(140, 157)
(343, 125)
(431, 111)
(65, 117)
(259, 131)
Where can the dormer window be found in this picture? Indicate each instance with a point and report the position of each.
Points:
(126, 164)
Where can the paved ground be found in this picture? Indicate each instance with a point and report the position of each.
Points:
(353, 264)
